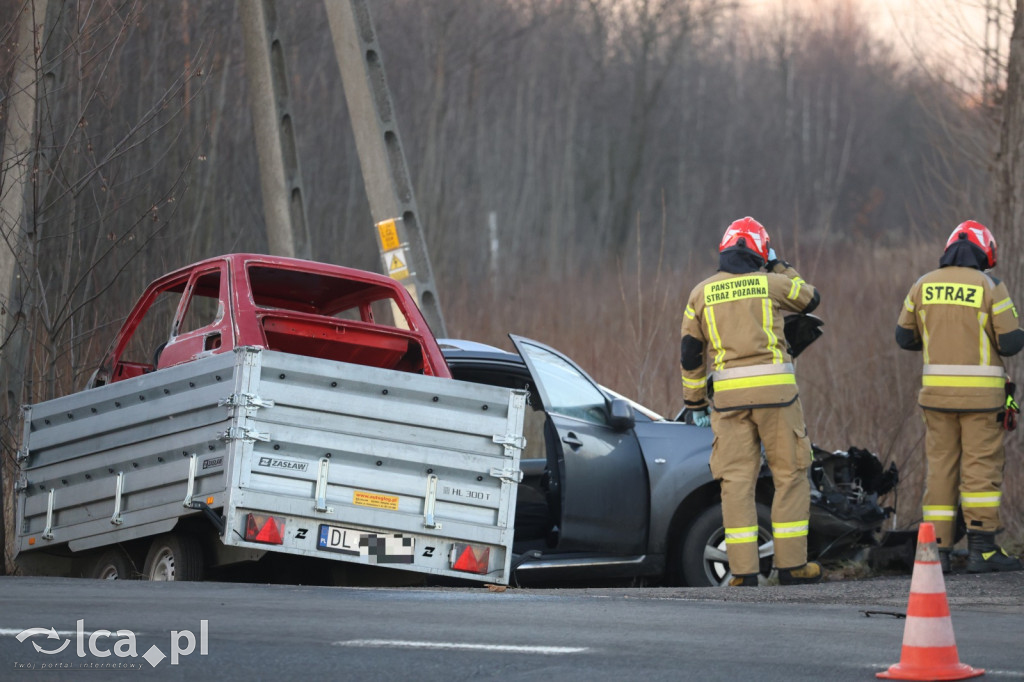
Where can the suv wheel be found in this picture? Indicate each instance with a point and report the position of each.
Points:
(704, 562)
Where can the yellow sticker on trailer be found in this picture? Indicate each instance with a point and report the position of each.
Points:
(375, 500)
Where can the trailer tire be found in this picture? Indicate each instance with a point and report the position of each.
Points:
(113, 564)
(175, 556)
(703, 562)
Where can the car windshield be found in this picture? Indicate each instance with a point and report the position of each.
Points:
(322, 294)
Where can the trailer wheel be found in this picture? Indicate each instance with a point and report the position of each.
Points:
(113, 564)
(704, 562)
(174, 557)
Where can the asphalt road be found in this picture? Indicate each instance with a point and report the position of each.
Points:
(255, 632)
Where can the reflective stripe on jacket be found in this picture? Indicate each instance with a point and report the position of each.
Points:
(753, 376)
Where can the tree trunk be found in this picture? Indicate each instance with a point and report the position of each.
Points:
(1008, 169)
(16, 168)
(1008, 214)
(15, 173)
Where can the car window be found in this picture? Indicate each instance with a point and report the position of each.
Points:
(155, 327)
(204, 306)
(569, 392)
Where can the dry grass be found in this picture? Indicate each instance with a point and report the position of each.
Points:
(849, 570)
(857, 387)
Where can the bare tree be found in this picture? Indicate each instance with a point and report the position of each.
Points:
(95, 199)
(1009, 163)
(15, 170)
(1008, 171)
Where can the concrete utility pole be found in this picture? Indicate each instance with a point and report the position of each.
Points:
(392, 201)
(280, 177)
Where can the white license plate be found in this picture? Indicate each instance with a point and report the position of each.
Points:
(339, 539)
(374, 548)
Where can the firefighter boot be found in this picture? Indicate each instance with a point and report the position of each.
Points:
(743, 580)
(985, 556)
(802, 575)
(944, 559)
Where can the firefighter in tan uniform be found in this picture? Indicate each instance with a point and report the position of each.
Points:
(733, 322)
(963, 320)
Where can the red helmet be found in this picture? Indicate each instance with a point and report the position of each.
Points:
(748, 234)
(977, 234)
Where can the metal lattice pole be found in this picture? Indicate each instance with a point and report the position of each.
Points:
(992, 70)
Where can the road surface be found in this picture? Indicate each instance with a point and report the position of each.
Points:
(230, 631)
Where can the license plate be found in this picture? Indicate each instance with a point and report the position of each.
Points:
(374, 548)
(338, 539)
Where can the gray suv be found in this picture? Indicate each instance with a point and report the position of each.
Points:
(613, 490)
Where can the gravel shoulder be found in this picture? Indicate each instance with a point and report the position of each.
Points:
(994, 592)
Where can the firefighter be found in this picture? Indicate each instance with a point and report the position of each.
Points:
(963, 320)
(733, 321)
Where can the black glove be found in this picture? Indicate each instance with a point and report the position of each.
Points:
(801, 331)
(1008, 417)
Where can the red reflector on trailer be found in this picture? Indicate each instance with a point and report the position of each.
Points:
(265, 529)
(471, 559)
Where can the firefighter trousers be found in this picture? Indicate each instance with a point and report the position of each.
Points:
(965, 463)
(735, 463)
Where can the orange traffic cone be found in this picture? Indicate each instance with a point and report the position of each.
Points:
(929, 649)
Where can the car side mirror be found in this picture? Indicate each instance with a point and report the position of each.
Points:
(621, 415)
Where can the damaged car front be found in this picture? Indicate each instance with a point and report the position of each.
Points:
(846, 516)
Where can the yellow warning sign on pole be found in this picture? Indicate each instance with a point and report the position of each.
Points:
(397, 264)
(388, 232)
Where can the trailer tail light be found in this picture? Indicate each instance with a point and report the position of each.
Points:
(266, 529)
(470, 558)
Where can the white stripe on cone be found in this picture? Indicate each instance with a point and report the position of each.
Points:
(927, 579)
(928, 632)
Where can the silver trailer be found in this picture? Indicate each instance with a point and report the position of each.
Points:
(235, 455)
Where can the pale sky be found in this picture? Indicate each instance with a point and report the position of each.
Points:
(946, 34)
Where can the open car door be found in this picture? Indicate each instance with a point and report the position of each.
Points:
(598, 480)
